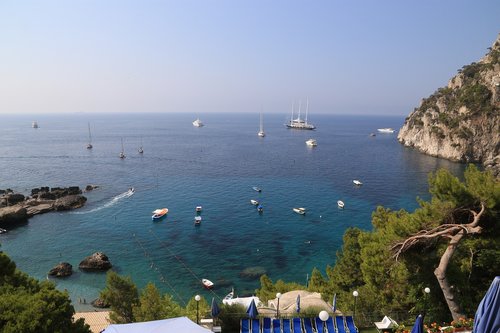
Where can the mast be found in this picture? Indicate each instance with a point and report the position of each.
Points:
(89, 145)
(300, 104)
(307, 108)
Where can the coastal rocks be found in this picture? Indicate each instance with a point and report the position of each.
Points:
(63, 269)
(460, 122)
(96, 262)
(90, 187)
(15, 207)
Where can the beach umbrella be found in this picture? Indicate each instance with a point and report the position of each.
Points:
(252, 310)
(487, 318)
(334, 303)
(418, 327)
(214, 309)
(298, 303)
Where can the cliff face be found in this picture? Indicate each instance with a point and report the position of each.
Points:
(461, 122)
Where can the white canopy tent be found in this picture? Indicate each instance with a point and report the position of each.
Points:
(171, 325)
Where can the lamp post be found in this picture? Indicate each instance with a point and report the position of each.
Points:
(355, 294)
(427, 291)
(323, 315)
(197, 299)
(278, 296)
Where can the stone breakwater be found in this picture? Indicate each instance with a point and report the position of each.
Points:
(17, 208)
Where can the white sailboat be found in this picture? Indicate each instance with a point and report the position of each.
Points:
(261, 131)
(197, 123)
(89, 145)
(122, 153)
(141, 150)
(299, 123)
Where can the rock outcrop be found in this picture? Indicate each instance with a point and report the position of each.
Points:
(15, 207)
(63, 269)
(461, 122)
(96, 262)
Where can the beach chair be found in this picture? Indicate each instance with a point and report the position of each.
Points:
(319, 325)
(339, 321)
(286, 326)
(297, 325)
(330, 326)
(255, 326)
(307, 325)
(245, 325)
(266, 325)
(350, 325)
(276, 326)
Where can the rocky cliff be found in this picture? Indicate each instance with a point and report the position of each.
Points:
(461, 122)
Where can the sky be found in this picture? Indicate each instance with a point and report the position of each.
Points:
(199, 56)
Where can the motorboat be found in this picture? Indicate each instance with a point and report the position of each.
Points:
(3, 231)
(357, 182)
(373, 134)
(258, 189)
(254, 202)
(159, 213)
(340, 203)
(197, 123)
(300, 210)
(386, 130)
(131, 190)
(141, 149)
(311, 143)
(207, 283)
(34, 124)
(260, 208)
(228, 296)
(198, 209)
(299, 123)
(197, 220)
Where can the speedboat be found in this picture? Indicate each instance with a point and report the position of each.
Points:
(197, 220)
(198, 209)
(340, 203)
(229, 296)
(254, 202)
(260, 208)
(311, 143)
(357, 182)
(3, 231)
(197, 123)
(159, 213)
(300, 210)
(386, 130)
(255, 188)
(207, 283)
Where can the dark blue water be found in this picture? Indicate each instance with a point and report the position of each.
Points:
(214, 166)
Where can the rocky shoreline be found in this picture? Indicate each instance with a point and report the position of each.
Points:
(17, 208)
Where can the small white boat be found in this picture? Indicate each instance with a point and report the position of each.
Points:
(207, 283)
(340, 203)
(258, 189)
(311, 143)
(300, 210)
(131, 191)
(159, 213)
(198, 209)
(229, 296)
(197, 220)
(357, 182)
(254, 202)
(386, 130)
(197, 123)
(261, 130)
(141, 150)
(260, 208)
(34, 124)
(3, 231)
(122, 153)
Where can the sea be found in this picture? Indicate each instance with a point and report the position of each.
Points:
(215, 166)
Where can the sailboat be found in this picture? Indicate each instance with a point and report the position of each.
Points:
(89, 145)
(122, 153)
(141, 150)
(197, 123)
(299, 123)
(261, 131)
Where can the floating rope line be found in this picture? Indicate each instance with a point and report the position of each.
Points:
(197, 278)
(154, 266)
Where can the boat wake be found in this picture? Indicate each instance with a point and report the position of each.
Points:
(110, 203)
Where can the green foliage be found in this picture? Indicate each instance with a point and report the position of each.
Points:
(122, 296)
(152, 306)
(27, 305)
(203, 310)
(476, 97)
(230, 316)
(268, 290)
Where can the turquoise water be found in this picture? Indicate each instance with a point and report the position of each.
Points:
(214, 166)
